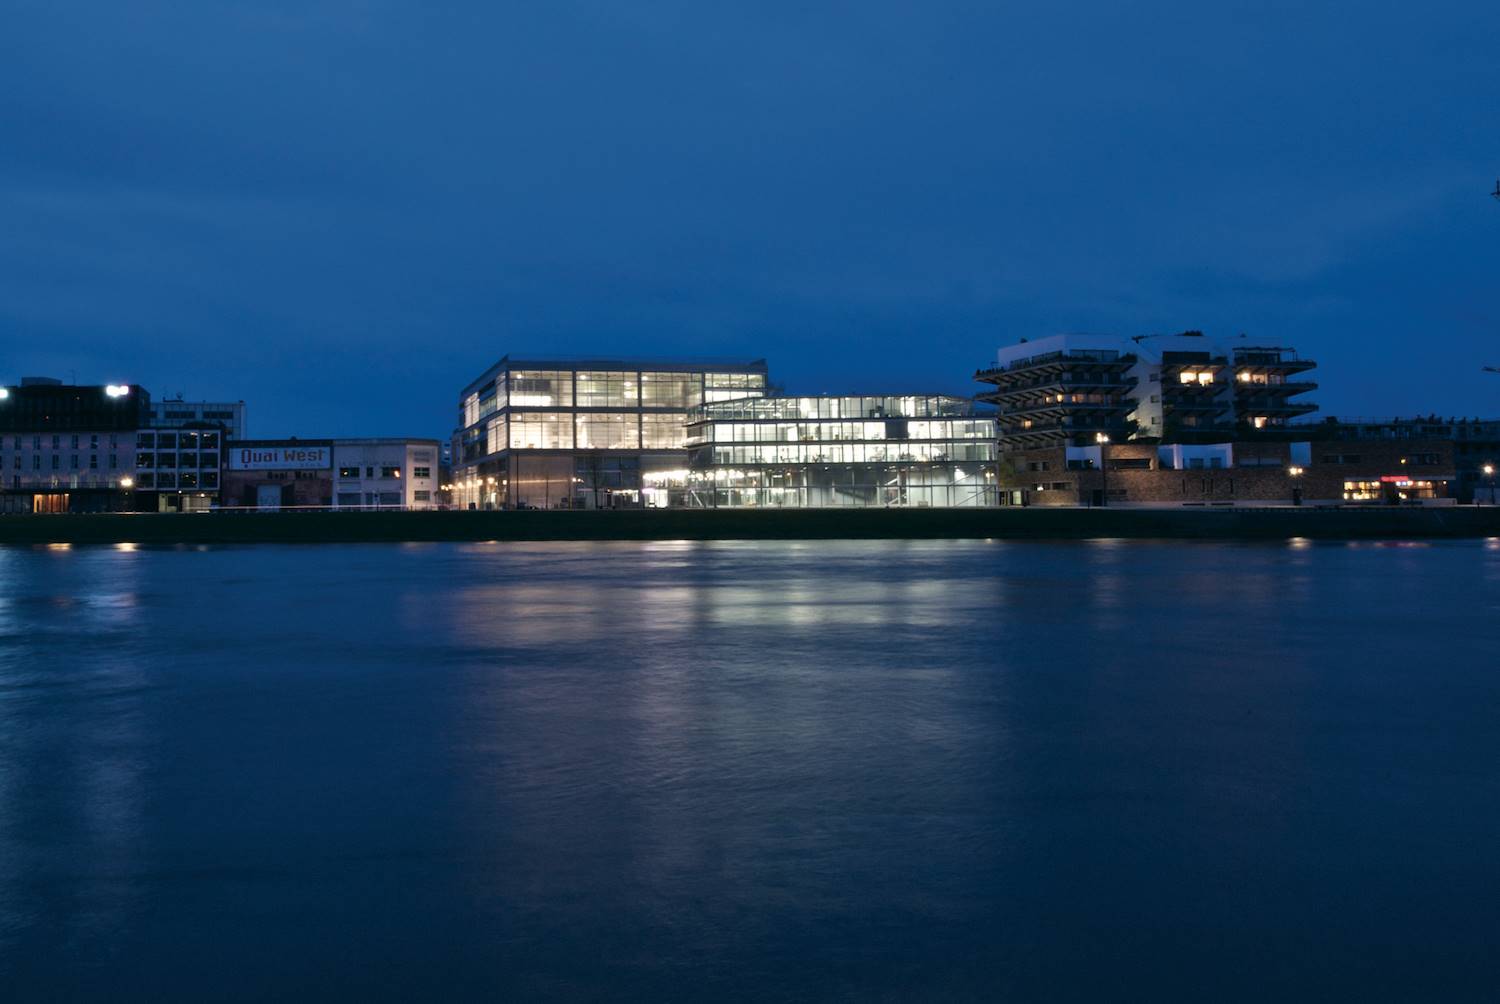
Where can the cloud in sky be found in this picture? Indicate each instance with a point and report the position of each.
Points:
(343, 211)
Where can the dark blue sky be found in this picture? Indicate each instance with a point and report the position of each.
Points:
(342, 212)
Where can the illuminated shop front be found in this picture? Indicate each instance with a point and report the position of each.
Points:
(856, 451)
(1396, 489)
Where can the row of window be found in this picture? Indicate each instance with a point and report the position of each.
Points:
(206, 480)
(74, 462)
(850, 453)
(187, 440)
(210, 460)
(179, 415)
(25, 481)
(385, 472)
(143, 441)
(607, 389)
(75, 441)
(824, 432)
(590, 431)
(794, 408)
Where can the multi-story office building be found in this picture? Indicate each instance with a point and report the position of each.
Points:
(386, 473)
(911, 450)
(68, 448)
(592, 433)
(175, 413)
(179, 468)
(1076, 389)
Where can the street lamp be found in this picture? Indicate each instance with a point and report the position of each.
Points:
(1296, 473)
(1489, 472)
(1103, 440)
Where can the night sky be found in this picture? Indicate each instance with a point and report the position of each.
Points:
(343, 212)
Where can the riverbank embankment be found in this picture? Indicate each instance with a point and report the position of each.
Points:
(740, 524)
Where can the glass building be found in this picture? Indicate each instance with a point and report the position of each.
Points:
(911, 450)
(592, 433)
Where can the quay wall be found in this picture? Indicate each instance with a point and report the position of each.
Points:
(787, 524)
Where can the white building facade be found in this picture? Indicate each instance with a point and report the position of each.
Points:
(386, 473)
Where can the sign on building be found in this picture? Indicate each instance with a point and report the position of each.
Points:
(280, 458)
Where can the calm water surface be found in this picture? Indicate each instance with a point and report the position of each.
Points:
(888, 771)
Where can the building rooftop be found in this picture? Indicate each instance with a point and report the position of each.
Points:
(666, 364)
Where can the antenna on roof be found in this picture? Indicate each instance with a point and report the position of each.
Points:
(1496, 192)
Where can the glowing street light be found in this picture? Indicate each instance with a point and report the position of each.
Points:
(4, 393)
(1102, 439)
(116, 390)
(127, 482)
(1489, 472)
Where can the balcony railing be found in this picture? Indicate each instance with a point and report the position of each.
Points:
(1080, 357)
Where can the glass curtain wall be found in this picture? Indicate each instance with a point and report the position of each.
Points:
(606, 431)
(596, 413)
(852, 451)
(607, 390)
(671, 390)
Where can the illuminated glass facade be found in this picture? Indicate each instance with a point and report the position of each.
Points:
(815, 452)
(594, 433)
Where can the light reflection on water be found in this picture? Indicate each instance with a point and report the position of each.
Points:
(900, 769)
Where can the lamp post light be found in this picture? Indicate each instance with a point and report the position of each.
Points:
(1296, 473)
(1103, 440)
(1489, 473)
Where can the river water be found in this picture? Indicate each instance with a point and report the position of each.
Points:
(646, 771)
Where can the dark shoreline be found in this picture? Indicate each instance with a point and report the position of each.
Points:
(812, 524)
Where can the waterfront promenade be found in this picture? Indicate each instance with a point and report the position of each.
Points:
(741, 524)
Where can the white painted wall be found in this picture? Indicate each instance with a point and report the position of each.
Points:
(385, 472)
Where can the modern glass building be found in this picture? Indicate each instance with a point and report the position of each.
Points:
(590, 433)
(911, 450)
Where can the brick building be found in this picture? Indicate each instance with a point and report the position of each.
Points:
(278, 473)
(1300, 472)
(1476, 444)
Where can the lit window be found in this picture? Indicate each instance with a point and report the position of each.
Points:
(606, 390)
(608, 432)
(541, 388)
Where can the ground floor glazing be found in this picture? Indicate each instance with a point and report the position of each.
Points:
(936, 485)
